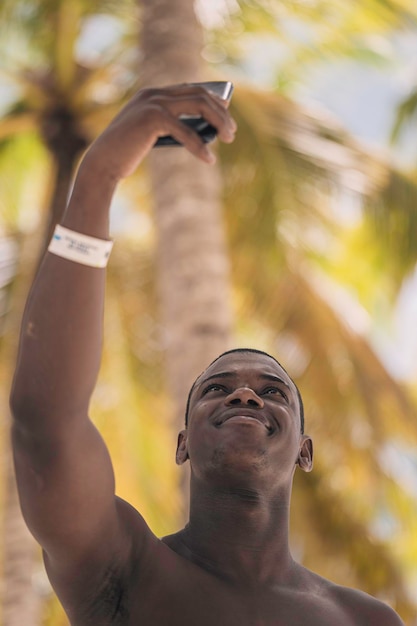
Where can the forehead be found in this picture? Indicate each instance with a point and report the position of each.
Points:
(246, 365)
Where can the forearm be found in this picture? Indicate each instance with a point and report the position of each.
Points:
(61, 335)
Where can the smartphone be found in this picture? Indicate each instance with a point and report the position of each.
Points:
(207, 132)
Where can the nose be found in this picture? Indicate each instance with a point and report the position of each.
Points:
(244, 395)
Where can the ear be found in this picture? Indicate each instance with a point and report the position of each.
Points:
(182, 448)
(305, 455)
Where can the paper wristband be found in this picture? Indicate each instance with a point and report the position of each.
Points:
(80, 248)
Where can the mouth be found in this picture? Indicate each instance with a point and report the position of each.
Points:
(245, 417)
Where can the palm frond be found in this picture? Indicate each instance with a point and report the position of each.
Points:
(405, 113)
(16, 124)
(293, 151)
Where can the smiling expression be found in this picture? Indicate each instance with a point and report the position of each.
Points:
(244, 413)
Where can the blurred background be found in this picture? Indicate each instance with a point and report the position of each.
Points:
(301, 241)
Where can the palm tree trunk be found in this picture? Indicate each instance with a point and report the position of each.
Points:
(21, 602)
(65, 140)
(193, 270)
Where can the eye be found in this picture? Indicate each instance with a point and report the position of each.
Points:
(213, 387)
(275, 390)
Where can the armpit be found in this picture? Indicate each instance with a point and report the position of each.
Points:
(107, 605)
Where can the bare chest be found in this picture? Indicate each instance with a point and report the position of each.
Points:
(185, 602)
(171, 591)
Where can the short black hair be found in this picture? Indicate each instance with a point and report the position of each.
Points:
(252, 350)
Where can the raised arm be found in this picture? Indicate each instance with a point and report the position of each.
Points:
(64, 473)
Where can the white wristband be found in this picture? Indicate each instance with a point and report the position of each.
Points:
(80, 248)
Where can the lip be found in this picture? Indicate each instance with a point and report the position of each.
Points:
(242, 415)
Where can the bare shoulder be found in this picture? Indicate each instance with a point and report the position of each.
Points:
(364, 608)
(359, 607)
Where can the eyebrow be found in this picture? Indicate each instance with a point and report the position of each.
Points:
(270, 377)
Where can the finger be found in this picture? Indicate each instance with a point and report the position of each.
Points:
(179, 94)
(186, 137)
(200, 104)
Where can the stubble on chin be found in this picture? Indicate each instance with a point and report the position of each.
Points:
(226, 459)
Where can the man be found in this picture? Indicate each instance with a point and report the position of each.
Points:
(231, 564)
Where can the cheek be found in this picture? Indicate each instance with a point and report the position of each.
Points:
(197, 409)
(198, 432)
(288, 418)
(200, 452)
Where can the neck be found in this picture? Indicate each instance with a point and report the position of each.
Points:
(240, 534)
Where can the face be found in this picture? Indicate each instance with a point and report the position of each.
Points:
(244, 424)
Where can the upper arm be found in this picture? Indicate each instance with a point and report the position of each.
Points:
(67, 494)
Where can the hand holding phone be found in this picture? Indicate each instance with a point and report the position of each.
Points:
(206, 131)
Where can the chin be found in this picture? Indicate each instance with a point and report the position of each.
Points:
(239, 463)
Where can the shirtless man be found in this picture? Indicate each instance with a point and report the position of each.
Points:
(231, 565)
